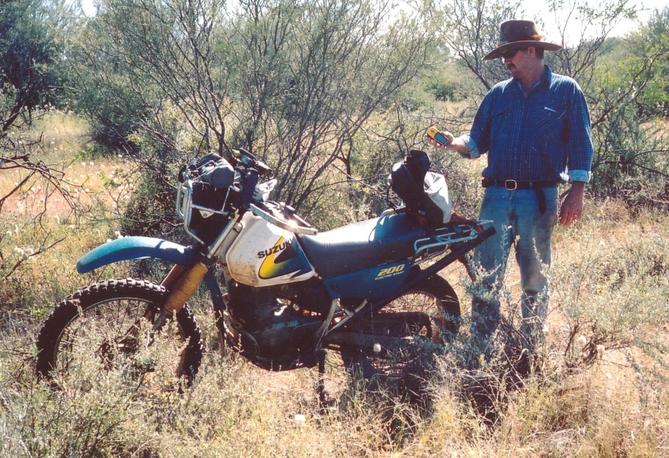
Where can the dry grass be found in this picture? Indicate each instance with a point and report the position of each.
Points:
(610, 281)
(617, 405)
(88, 182)
(61, 135)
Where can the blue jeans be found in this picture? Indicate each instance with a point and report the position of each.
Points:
(518, 221)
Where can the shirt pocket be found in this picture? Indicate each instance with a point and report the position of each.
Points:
(501, 124)
(550, 120)
(501, 114)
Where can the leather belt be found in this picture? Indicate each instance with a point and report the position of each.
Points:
(517, 184)
(512, 185)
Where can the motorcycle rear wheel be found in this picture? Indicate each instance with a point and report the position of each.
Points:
(111, 326)
(409, 367)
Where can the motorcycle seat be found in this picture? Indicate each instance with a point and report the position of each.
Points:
(363, 244)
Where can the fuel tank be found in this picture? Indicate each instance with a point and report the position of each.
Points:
(265, 255)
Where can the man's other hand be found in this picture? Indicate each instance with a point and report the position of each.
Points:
(572, 205)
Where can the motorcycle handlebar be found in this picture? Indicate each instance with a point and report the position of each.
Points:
(250, 160)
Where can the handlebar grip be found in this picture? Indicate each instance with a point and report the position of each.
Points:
(250, 160)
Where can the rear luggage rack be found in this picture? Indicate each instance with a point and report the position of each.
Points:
(446, 236)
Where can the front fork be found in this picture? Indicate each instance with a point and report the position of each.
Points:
(182, 282)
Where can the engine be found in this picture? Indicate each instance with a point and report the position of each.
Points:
(275, 326)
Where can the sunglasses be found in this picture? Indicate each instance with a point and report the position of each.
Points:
(509, 53)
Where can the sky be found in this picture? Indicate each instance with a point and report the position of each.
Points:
(645, 9)
(535, 7)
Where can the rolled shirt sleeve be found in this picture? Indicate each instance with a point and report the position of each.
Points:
(579, 147)
(580, 175)
(472, 148)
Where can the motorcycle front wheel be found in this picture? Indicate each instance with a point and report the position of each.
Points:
(116, 327)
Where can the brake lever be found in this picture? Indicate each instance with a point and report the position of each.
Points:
(263, 169)
(183, 173)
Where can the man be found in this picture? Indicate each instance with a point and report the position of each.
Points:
(535, 127)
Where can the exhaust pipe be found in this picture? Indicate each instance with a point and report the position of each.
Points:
(367, 342)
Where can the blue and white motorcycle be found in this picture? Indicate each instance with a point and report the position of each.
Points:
(282, 293)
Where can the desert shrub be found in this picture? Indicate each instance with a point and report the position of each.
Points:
(632, 163)
(654, 101)
(150, 211)
(445, 91)
(114, 113)
(29, 53)
(151, 207)
(630, 145)
(296, 103)
(614, 295)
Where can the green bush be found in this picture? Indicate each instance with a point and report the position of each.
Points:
(445, 91)
(151, 209)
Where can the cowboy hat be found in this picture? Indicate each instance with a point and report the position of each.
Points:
(517, 34)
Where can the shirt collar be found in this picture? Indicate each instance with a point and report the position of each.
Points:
(545, 81)
(548, 76)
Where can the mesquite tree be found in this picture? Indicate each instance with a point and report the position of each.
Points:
(29, 80)
(293, 81)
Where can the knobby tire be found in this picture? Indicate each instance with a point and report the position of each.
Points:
(152, 296)
(376, 368)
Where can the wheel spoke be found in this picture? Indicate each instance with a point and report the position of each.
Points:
(429, 314)
(109, 328)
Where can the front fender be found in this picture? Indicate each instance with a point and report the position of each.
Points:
(126, 248)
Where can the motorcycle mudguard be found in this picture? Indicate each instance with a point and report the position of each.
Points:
(127, 248)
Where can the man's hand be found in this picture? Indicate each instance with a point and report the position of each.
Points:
(572, 206)
(457, 144)
(440, 137)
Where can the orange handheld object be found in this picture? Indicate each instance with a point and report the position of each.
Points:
(443, 138)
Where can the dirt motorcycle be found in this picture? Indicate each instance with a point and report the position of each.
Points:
(368, 290)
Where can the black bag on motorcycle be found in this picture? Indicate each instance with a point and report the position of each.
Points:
(212, 189)
(424, 193)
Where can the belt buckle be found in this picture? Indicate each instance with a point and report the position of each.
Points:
(510, 185)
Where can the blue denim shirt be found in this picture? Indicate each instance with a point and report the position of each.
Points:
(534, 136)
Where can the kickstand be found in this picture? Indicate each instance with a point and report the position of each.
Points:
(323, 398)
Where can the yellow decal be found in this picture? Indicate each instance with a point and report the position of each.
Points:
(268, 268)
(390, 271)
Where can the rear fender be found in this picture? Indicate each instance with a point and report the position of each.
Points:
(129, 248)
